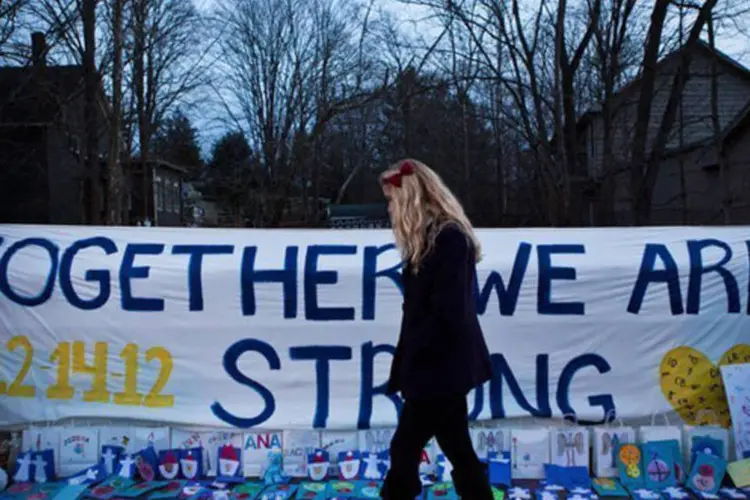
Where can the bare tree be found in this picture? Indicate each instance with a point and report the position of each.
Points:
(115, 186)
(10, 13)
(291, 67)
(644, 163)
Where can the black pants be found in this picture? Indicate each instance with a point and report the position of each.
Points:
(447, 420)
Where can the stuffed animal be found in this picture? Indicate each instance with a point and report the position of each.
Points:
(274, 473)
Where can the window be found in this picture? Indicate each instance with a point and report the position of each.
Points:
(159, 188)
(177, 197)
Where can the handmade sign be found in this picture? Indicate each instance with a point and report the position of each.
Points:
(89, 475)
(740, 472)
(737, 382)
(318, 464)
(169, 464)
(658, 464)
(490, 439)
(371, 466)
(79, 448)
(230, 462)
(147, 464)
(499, 468)
(606, 441)
(708, 445)
(350, 465)
(530, 450)
(312, 490)
(121, 436)
(191, 463)
(444, 468)
(297, 445)
(608, 487)
(42, 438)
(630, 465)
(336, 442)
(571, 447)
(714, 432)
(158, 438)
(316, 315)
(173, 489)
(706, 474)
(278, 492)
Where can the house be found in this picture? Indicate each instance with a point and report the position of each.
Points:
(156, 193)
(42, 142)
(691, 186)
(363, 216)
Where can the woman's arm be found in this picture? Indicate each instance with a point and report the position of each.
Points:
(448, 301)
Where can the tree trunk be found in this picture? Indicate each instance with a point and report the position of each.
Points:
(139, 76)
(92, 188)
(645, 193)
(726, 198)
(116, 187)
(648, 78)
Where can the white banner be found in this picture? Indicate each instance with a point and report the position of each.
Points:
(292, 329)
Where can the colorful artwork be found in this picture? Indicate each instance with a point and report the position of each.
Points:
(609, 487)
(707, 474)
(318, 464)
(629, 465)
(737, 381)
(658, 464)
(691, 382)
(170, 490)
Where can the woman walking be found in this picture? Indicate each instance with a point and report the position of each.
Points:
(441, 353)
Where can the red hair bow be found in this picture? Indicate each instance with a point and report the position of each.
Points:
(407, 168)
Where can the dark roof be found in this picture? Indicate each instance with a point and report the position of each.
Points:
(701, 45)
(157, 162)
(34, 94)
(361, 211)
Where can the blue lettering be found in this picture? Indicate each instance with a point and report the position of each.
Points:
(100, 276)
(195, 280)
(231, 356)
(49, 285)
(322, 355)
(605, 401)
(286, 276)
(314, 277)
(698, 269)
(367, 388)
(128, 272)
(507, 298)
(501, 370)
(370, 274)
(649, 274)
(548, 273)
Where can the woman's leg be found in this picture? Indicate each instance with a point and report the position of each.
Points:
(413, 431)
(453, 437)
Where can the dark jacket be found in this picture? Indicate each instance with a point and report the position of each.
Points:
(441, 350)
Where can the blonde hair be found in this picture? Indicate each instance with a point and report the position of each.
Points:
(420, 208)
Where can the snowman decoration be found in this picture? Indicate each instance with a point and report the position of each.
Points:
(229, 464)
(189, 465)
(349, 465)
(317, 465)
(704, 481)
(371, 466)
(168, 466)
